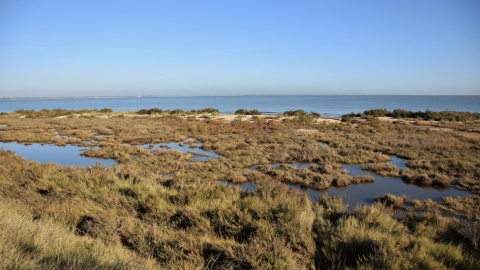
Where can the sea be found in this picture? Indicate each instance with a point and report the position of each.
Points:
(326, 105)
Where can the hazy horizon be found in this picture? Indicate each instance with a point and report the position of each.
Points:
(232, 95)
(214, 48)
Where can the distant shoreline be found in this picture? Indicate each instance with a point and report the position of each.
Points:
(197, 96)
(331, 105)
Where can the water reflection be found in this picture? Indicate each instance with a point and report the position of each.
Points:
(398, 162)
(365, 193)
(57, 135)
(186, 147)
(68, 155)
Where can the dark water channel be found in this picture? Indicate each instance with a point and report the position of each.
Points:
(68, 155)
(365, 193)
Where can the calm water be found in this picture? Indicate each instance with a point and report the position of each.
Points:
(365, 193)
(330, 105)
(68, 155)
(199, 154)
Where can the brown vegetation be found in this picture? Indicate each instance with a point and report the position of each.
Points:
(160, 210)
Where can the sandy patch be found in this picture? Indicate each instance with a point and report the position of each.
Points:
(385, 118)
(231, 117)
(392, 119)
(307, 130)
(328, 120)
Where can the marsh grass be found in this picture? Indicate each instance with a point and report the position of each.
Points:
(388, 200)
(451, 116)
(383, 169)
(434, 159)
(160, 210)
(29, 243)
(184, 223)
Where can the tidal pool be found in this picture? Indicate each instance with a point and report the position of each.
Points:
(199, 154)
(68, 155)
(365, 193)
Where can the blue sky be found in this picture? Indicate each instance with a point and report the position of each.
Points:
(170, 48)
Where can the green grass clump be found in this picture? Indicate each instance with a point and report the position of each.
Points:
(150, 111)
(452, 116)
(248, 112)
(301, 113)
(209, 110)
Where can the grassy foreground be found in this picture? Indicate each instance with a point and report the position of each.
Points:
(159, 211)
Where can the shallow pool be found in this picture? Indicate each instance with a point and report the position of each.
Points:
(365, 193)
(199, 154)
(68, 155)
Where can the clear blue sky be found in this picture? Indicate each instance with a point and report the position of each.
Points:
(74, 48)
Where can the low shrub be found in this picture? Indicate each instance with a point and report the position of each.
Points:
(451, 116)
(248, 112)
(105, 110)
(209, 110)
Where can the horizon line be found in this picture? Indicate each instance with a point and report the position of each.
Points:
(247, 95)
